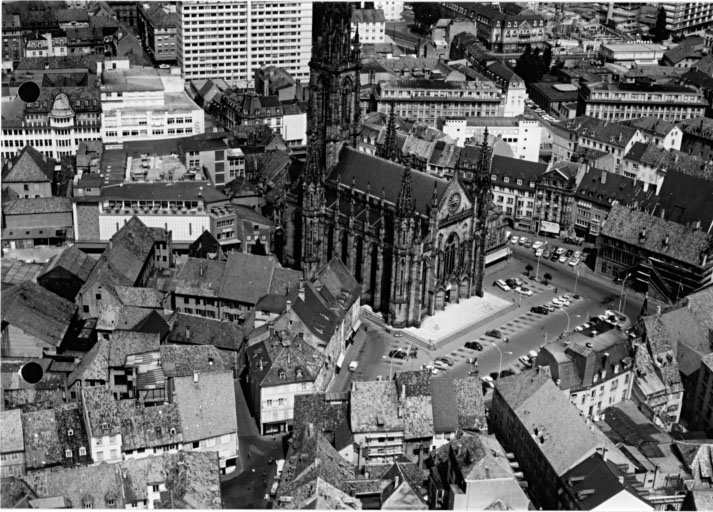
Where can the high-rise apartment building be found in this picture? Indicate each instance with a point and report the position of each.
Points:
(230, 40)
(687, 17)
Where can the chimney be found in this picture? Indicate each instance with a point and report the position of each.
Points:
(188, 332)
(288, 305)
(604, 177)
(658, 310)
(663, 212)
(195, 377)
(288, 357)
(642, 235)
(403, 392)
(396, 482)
(301, 292)
(260, 363)
(201, 270)
(210, 361)
(665, 241)
(310, 429)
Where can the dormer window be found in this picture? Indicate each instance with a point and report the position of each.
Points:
(519, 182)
(70, 433)
(68, 454)
(532, 184)
(282, 375)
(506, 179)
(172, 431)
(105, 426)
(82, 451)
(298, 372)
(158, 431)
(493, 177)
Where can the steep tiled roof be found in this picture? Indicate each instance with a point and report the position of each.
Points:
(285, 361)
(74, 261)
(125, 343)
(368, 16)
(39, 430)
(563, 436)
(686, 197)
(206, 407)
(249, 277)
(683, 244)
(38, 312)
(326, 416)
(183, 360)
(468, 394)
(81, 487)
(699, 126)
(600, 130)
(206, 331)
(681, 52)
(651, 155)
(29, 166)
(12, 439)
(146, 427)
(94, 365)
(382, 174)
(374, 407)
(32, 205)
(516, 169)
(101, 410)
(199, 277)
(603, 188)
(417, 417)
(651, 124)
(140, 297)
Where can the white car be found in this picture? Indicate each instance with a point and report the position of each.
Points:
(353, 366)
(577, 254)
(562, 258)
(488, 381)
(557, 302)
(501, 284)
(564, 300)
(560, 251)
(440, 365)
(573, 262)
(532, 354)
(538, 244)
(523, 239)
(538, 252)
(525, 360)
(524, 291)
(515, 240)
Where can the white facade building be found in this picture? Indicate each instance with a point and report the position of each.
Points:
(392, 10)
(230, 40)
(522, 135)
(145, 104)
(371, 24)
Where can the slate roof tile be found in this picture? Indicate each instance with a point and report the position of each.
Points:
(206, 408)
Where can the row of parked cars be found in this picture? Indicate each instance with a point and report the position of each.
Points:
(542, 250)
(514, 284)
(556, 303)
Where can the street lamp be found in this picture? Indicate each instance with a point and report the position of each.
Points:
(500, 366)
(537, 272)
(575, 281)
(575, 316)
(621, 293)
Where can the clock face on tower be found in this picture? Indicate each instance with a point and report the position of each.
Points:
(453, 202)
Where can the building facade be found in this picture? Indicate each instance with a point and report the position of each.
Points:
(230, 40)
(522, 135)
(157, 26)
(687, 17)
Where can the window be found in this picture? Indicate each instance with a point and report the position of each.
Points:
(196, 444)
(110, 502)
(70, 433)
(155, 488)
(68, 454)
(82, 451)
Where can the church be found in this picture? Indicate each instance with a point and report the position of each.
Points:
(415, 242)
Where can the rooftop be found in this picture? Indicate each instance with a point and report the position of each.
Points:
(374, 407)
(38, 312)
(73, 261)
(368, 16)
(12, 438)
(659, 236)
(37, 205)
(282, 360)
(42, 447)
(147, 427)
(183, 360)
(197, 330)
(600, 130)
(206, 407)
(29, 166)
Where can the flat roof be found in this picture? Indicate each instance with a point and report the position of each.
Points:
(634, 47)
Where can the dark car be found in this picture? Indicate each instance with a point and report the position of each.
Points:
(539, 310)
(397, 354)
(569, 253)
(446, 360)
(494, 333)
(554, 256)
(528, 244)
(511, 283)
(494, 375)
(474, 345)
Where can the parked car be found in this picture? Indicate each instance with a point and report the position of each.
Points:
(522, 240)
(446, 360)
(560, 251)
(440, 364)
(549, 307)
(494, 333)
(518, 281)
(488, 381)
(538, 252)
(515, 240)
(557, 302)
(539, 310)
(502, 285)
(511, 283)
(564, 300)
(523, 291)
(474, 345)
(562, 258)
(554, 256)
(532, 354)
(577, 254)
(528, 244)
(546, 255)
(397, 354)
(574, 261)
(569, 253)
(397, 335)
(353, 366)
(525, 360)
(537, 244)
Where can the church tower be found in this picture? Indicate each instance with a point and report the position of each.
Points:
(333, 120)
(481, 191)
(334, 86)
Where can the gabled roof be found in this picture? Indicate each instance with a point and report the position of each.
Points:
(563, 436)
(206, 407)
(325, 415)
(37, 205)
(42, 447)
(38, 312)
(74, 261)
(28, 167)
(651, 155)
(126, 343)
(147, 427)
(683, 244)
(685, 198)
(248, 277)
(279, 362)
(651, 124)
(603, 188)
(616, 134)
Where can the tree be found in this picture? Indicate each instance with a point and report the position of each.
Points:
(660, 31)
(547, 58)
(425, 14)
(548, 277)
(530, 66)
(529, 268)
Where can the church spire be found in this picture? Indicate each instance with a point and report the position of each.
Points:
(404, 204)
(388, 148)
